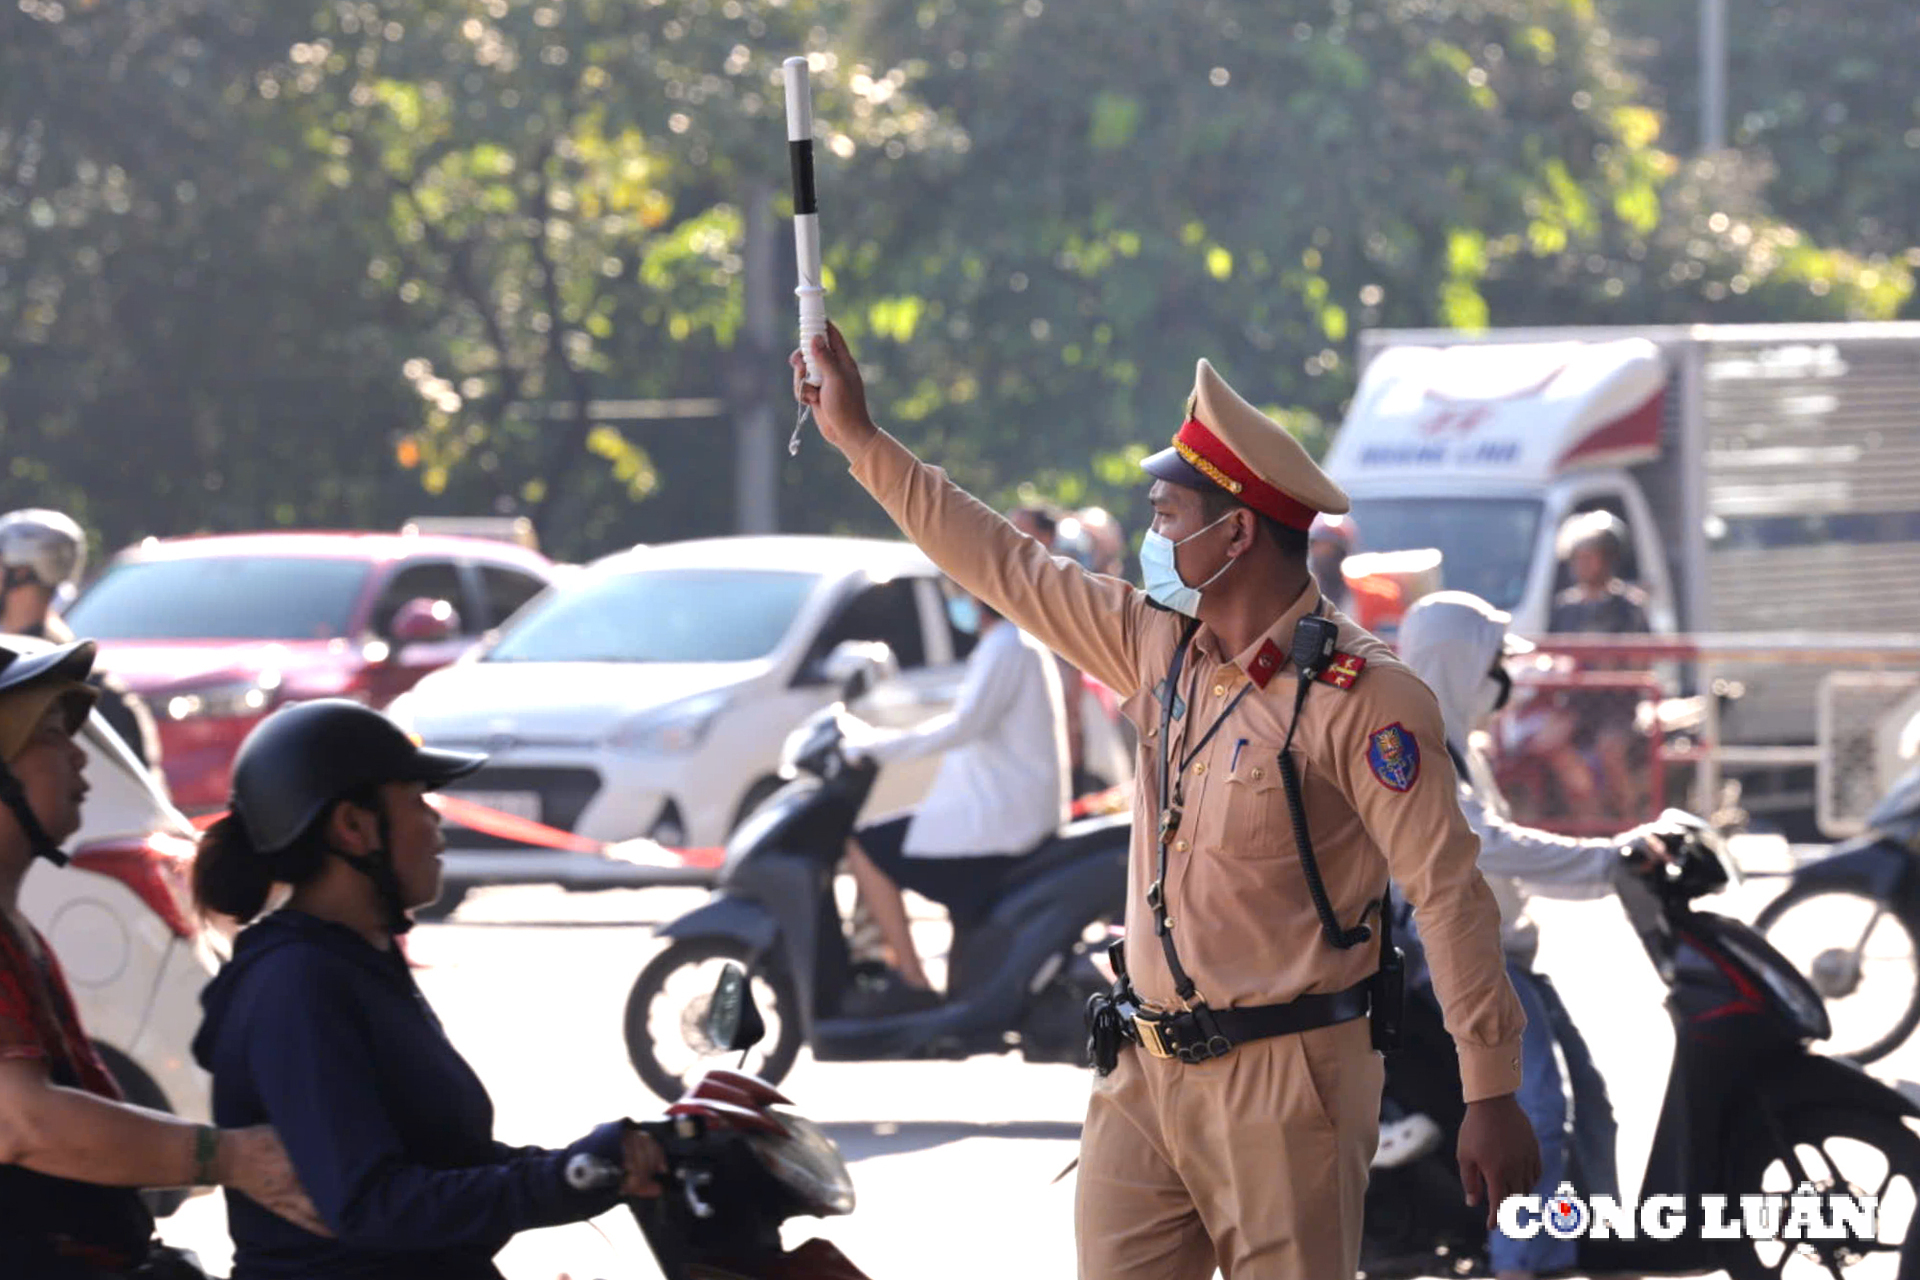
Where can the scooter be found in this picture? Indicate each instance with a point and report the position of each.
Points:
(1748, 1110)
(1021, 977)
(1864, 896)
(740, 1162)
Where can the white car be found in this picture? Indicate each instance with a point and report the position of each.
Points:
(121, 921)
(649, 695)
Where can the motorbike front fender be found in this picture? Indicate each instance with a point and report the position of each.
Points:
(1809, 1080)
(725, 916)
(772, 910)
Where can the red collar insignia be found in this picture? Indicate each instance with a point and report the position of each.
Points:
(1343, 670)
(1266, 663)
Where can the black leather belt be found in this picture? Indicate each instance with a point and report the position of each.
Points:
(1210, 1033)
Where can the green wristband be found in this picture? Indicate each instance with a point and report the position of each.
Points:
(206, 1145)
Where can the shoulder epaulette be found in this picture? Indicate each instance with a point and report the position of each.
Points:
(1343, 670)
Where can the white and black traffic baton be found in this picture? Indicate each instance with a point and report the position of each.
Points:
(806, 224)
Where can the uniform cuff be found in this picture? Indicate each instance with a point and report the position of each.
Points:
(881, 460)
(1489, 1071)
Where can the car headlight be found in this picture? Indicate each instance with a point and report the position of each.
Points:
(671, 730)
(225, 700)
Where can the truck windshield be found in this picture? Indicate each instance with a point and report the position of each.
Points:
(1486, 544)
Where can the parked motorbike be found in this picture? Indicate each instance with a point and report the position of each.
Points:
(1850, 921)
(1748, 1109)
(1020, 977)
(740, 1162)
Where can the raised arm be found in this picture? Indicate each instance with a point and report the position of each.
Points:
(1094, 622)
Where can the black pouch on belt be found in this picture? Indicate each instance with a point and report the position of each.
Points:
(1389, 994)
(1105, 1031)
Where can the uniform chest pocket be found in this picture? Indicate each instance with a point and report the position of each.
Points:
(1256, 822)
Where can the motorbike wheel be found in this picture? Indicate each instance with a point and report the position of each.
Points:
(667, 1008)
(1874, 968)
(1864, 1153)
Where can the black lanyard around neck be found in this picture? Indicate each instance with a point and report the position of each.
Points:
(1172, 790)
(1171, 798)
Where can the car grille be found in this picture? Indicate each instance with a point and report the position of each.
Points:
(564, 796)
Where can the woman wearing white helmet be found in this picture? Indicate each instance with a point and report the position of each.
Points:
(42, 554)
(41, 551)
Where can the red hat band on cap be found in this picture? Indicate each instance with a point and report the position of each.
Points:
(1205, 451)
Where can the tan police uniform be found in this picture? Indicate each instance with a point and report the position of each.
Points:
(1255, 1160)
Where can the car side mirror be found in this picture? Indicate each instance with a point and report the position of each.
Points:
(423, 620)
(856, 667)
(733, 1022)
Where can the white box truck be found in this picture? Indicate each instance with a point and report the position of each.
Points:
(1769, 476)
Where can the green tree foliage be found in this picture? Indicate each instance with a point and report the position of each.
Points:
(1823, 97)
(274, 262)
(1149, 183)
(177, 347)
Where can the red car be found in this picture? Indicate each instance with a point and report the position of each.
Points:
(216, 631)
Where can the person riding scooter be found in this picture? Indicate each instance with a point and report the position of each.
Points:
(317, 1027)
(1457, 644)
(1000, 792)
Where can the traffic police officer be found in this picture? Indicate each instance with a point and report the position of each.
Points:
(1236, 1124)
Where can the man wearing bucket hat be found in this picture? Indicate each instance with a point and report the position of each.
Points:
(71, 1152)
(1287, 762)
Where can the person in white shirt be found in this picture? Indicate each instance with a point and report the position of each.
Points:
(1458, 643)
(1001, 791)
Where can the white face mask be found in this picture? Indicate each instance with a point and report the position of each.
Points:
(1491, 695)
(1160, 572)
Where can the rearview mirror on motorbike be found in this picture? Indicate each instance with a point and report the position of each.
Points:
(856, 667)
(733, 1022)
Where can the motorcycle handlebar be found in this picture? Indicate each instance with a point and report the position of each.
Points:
(587, 1172)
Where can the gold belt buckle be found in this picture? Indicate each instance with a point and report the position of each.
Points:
(1150, 1038)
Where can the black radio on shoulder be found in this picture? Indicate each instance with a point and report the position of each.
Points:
(1314, 640)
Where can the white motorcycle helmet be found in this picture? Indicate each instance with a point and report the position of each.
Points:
(45, 544)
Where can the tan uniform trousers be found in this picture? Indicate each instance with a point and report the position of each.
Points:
(1255, 1162)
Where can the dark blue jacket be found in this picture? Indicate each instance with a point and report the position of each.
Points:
(311, 1029)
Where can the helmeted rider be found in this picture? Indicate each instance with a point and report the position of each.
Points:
(317, 1027)
(42, 554)
(1458, 644)
(72, 1150)
(1372, 601)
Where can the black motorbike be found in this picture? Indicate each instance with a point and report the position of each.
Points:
(1851, 922)
(1019, 977)
(740, 1163)
(1748, 1109)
